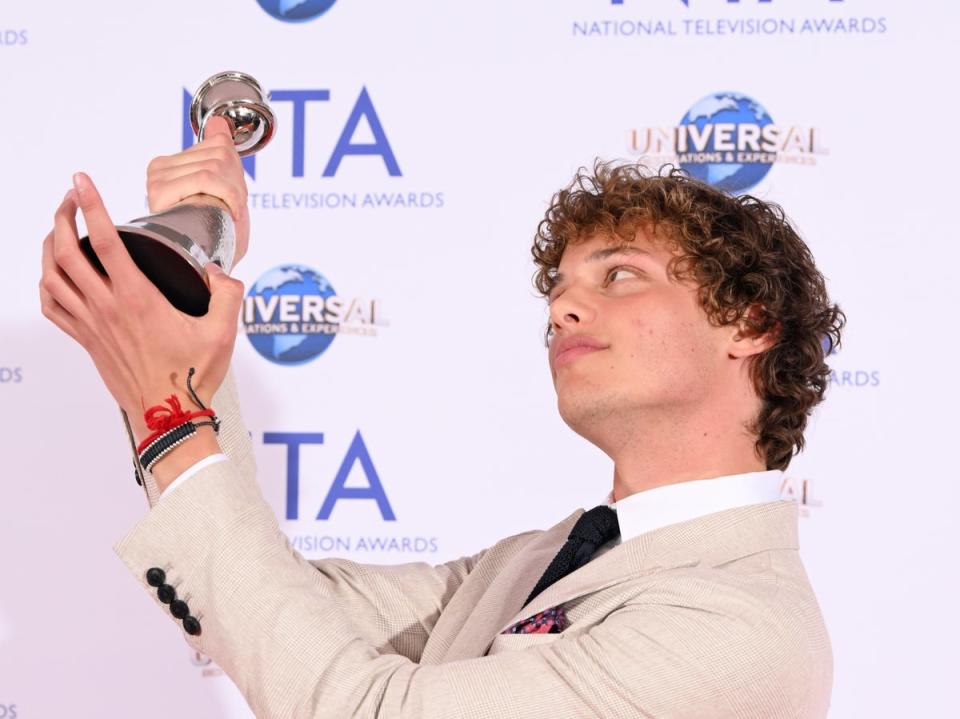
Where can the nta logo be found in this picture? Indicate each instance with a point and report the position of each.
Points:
(296, 10)
(292, 315)
(363, 112)
(728, 140)
(357, 453)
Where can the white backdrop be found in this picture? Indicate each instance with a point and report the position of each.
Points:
(487, 109)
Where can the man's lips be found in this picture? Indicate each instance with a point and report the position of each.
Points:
(569, 348)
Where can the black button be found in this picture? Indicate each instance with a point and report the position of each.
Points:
(191, 626)
(179, 608)
(156, 576)
(166, 593)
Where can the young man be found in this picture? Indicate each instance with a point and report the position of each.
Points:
(686, 340)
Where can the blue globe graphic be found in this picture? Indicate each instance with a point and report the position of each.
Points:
(726, 107)
(296, 10)
(289, 348)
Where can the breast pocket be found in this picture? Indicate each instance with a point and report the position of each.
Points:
(517, 642)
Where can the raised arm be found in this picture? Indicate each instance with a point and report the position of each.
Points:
(276, 626)
(143, 347)
(394, 607)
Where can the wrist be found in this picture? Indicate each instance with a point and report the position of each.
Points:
(179, 436)
(175, 462)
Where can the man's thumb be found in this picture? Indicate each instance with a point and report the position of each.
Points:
(217, 125)
(226, 295)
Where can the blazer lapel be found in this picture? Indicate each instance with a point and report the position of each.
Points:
(711, 540)
(622, 562)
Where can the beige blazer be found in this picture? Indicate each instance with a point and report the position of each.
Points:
(713, 617)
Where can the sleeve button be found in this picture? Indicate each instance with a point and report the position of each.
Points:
(166, 593)
(191, 626)
(156, 576)
(179, 608)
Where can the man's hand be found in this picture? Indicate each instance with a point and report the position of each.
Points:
(141, 345)
(211, 167)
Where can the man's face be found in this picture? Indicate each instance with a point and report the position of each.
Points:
(653, 350)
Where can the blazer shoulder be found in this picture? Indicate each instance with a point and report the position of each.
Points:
(498, 554)
(760, 608)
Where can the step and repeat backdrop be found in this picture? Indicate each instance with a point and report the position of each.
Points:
(418, 145)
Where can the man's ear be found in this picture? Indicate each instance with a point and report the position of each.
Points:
(753, 333)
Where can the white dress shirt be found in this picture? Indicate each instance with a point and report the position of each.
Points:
(672, 503)
(192, 470)
(652, 508)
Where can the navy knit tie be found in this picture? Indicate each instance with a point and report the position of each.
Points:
(594, 529)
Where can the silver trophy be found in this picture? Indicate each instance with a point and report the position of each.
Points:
(172, 247)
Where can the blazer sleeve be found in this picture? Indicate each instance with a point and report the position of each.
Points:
(394, 607)
(397, 606)
(274, 624)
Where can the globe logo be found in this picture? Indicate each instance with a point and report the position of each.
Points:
(722, 131)
(287, 314)
(296, 10)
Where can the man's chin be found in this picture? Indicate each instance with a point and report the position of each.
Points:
(582, 410)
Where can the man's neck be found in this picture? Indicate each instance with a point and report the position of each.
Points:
(667, 452)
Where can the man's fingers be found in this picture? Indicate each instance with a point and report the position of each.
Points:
(212, 165)
(54, 283)
(64, 249)
(56, 313)
(216, 141)
(197, 153)
(104, 239)
(226, 297)
(166, 193)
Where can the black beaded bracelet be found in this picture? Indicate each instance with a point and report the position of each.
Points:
(166, 442)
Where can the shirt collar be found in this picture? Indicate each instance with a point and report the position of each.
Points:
(672, 503)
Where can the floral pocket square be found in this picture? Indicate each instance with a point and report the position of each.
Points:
(549, 621)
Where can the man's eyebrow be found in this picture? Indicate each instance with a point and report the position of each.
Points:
(603, 254)
(615, 250)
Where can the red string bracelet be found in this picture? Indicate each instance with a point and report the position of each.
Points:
(162, 419)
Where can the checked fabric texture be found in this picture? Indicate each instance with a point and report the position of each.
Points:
(594, 529)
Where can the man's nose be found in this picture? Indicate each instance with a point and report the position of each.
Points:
(571, 309)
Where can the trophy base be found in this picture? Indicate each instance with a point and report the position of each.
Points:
(176, 278)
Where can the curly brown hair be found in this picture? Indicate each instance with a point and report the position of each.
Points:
(749, 263)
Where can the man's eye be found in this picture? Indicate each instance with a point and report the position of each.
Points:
(612, 274)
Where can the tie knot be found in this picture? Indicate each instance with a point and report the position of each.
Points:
(596, 526)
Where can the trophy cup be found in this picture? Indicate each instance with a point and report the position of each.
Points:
(172, 247)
